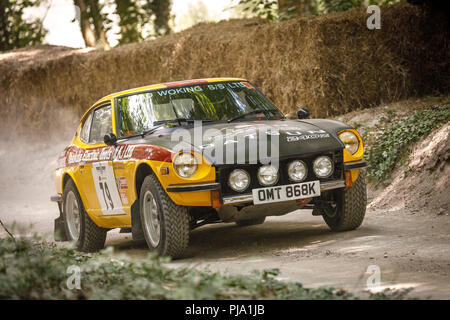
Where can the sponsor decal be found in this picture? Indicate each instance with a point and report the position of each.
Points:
(75, 157)
(124, 197)
(122, 183)
(118, 165)
(101, 154)
(123, 152)
(307, 135)
(106, 153)
(211, 86)
(170, 92)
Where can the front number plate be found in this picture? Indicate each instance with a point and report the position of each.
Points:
(287, 192)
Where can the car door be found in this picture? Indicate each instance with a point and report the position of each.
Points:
(103, 197)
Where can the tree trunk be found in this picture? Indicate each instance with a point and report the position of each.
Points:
(161, 10)
(85, 26)
(128, 23)
(98, 24)
(4, 31)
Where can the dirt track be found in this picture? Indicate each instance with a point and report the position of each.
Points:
(411, 251)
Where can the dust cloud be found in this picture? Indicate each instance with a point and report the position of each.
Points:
(27, 162)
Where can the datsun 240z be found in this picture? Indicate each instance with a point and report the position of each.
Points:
(126, 167)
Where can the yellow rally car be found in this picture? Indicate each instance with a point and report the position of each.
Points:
(162, 160)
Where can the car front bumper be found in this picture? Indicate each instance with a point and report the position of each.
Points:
(248, 197)
(242, 198)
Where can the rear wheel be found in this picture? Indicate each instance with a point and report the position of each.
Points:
(250, 222)
(350, 208)
(79, 227)
(165, 225)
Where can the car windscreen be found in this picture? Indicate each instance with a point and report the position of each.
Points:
(211, 101)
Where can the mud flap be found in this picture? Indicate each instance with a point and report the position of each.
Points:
(136, 227)
(60, 231)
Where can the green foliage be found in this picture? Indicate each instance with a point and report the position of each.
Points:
(32, 269)
(279, 10)
(15, 31)
(325, 6)
(265, 9)
(131, 20)
(388, 294)
(141, 19)
(390, 145)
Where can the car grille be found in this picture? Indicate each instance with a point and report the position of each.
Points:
(223, 172)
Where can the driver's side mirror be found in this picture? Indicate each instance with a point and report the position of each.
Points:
(303, 113)
(110, 139)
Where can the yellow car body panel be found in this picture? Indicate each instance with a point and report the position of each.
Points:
(357, 156)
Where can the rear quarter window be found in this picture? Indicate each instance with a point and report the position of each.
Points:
(101, 124)
(86, 128)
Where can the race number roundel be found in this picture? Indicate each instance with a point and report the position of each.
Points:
(106, 188)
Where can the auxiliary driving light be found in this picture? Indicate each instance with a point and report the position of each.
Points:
(323, 167)
(239, 180)
(297, 171)
(267, 175)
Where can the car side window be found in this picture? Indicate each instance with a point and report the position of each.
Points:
(101, 124)
(86, 128)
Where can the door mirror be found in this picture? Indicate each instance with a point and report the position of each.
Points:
(303, 113)
(110, 139)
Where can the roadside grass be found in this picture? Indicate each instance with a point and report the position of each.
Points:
(388, 146)
(34, 269)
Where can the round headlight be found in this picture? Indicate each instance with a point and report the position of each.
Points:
(323, 167)
(297, 171)
(239, 180)
(185, 164)
(350, 141)
(267, 175)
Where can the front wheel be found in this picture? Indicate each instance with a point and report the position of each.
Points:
(350, 207)
(79, 227)
(165, 225)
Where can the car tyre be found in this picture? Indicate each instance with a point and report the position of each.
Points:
(79, 227)
(165, 225)
(351, 206)
(250, 222)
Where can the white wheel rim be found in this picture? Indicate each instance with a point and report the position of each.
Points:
(152, 223)
(73, 216)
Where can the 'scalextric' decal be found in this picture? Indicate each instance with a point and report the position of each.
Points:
(101, 154)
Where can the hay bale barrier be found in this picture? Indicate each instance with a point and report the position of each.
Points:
(330, 64)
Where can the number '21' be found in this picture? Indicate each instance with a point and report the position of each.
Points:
(106, 193)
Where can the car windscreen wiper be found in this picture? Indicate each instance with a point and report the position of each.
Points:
(161, 123)
(249, 113)
(143, 133)
(152, 129)
(179, 120)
